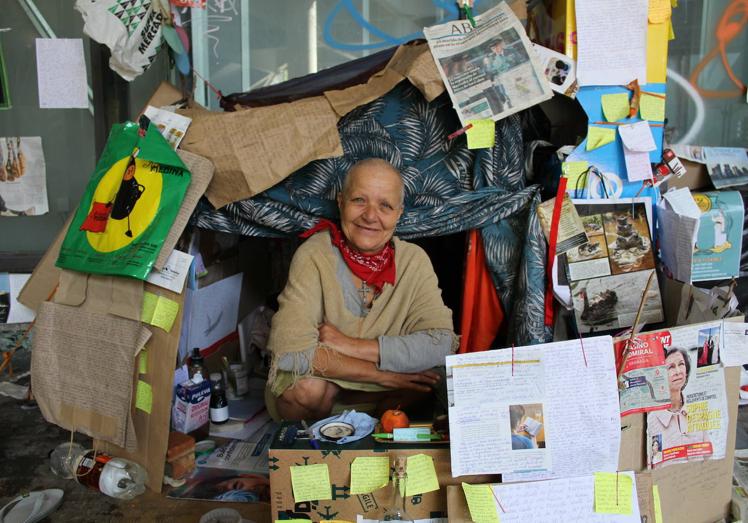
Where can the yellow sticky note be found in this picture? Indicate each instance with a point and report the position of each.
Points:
(599, 136)
(143, 362)
(607, 500)
(421, 475)
(670, 30)
(657, 505)
(652, 108)
(369, 474)
(144, 397)
(149, 307)
(311, 483)
(159, 311)
(615, 106)
(165, 314)
(674, 3)
(481, 503)
(291, 521)
(659, 11)
(482, 134)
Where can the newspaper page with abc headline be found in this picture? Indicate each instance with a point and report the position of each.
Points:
(490, 70)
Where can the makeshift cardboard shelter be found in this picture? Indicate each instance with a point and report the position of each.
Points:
(254, 150)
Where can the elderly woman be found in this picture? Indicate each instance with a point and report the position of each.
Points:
(362, 310)
(672, 424)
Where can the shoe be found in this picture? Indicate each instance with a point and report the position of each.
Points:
(31, 507)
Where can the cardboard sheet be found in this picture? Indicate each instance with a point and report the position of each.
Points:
(256, 148)
(152, 428)
(202, 171)
(82, 365)
(413, 62)
(121, 297)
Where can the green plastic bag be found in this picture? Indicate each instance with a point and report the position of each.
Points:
(129, 205)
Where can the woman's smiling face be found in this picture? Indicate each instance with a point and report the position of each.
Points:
(370, 207)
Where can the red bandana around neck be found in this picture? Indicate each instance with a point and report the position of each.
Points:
(373, 269)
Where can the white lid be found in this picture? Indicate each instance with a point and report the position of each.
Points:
(215, 376)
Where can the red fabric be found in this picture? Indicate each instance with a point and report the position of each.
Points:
(482, 314)
(373, 269)
(98, 217)
(552, 251)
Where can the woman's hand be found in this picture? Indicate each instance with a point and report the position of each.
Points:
(330, 336)
(420, 381)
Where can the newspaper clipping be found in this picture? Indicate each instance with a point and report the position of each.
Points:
(23, 177)
(490, 70)
(695, 426)
(644, 382)
(608, 274)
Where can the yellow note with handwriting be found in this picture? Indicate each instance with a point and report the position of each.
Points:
(143, 362)
(659, 11)
(482, 134)
(615, 106)
(159, 311)
(599, 136)
(613, 493)
(369, 474)
(657, 505)
(311, 483)
(652, 108)
(421, 475)
(144, 397)
(481, 503)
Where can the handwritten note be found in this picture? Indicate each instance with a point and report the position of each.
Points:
(637, 142)
(599, 136)
(311, 483)
(144, 397)
(615, 106)
(734, 344)
(613, 493)
(657, 504)
(480, 431)
(421, 475)
(572, 171)
(159, 311)
(659, 11)
(369, 474)
(61, 73)
(652, 108)
(481, 503)
(482, 134)
(567, 499)
(612, 41)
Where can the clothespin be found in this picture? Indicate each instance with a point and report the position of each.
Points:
(634, 103)
(468, 10)
(460, 132)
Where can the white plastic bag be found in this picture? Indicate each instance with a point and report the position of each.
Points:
(130, 28)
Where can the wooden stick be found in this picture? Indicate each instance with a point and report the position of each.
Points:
(625, 355)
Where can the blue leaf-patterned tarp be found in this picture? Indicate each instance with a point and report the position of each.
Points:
(448, 189)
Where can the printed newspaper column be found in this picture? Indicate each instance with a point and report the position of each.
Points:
(570, 228)
(695, 426)
(490, 70)
(678, 221)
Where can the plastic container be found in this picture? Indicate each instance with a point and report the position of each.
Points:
(116, 477)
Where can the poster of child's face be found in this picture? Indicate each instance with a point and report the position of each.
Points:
(224, 485)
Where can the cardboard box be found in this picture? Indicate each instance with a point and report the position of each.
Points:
(338, 458)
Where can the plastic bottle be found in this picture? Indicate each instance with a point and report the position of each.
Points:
(219, 406)
(197, 365)
(395, 511)
(115, 477)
